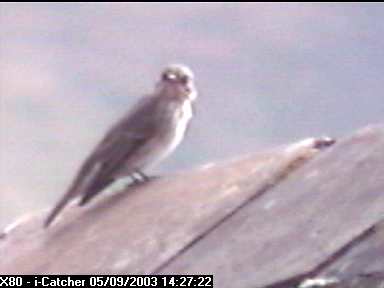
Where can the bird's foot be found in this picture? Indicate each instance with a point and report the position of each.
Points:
(135, 179)
(142, 175)
(138, 177)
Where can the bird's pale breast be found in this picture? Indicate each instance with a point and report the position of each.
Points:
(183, 115)
(168, 137)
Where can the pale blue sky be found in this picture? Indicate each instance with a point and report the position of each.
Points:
(268, 74)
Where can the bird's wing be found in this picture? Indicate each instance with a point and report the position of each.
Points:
(124, 138)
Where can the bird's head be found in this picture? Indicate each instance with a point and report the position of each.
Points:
(177, 81)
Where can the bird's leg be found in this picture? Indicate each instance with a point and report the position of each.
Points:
(142, 175)
(135, 179)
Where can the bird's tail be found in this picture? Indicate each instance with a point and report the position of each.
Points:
(59, 206)
(71, 193)
(94, 189)
(87, 175)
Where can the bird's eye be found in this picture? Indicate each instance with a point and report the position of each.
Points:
(165, 76)
(169, 76)
(184, 79)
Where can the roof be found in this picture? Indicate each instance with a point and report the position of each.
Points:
(269, 219)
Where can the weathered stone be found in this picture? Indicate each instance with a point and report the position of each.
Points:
(299, 225)
(140, 229)
(361, 264)
(266, 220)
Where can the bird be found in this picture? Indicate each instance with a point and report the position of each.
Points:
(143, 137)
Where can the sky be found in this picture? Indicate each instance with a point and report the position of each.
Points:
(267, 73)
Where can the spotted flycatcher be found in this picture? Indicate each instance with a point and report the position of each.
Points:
(145, 136)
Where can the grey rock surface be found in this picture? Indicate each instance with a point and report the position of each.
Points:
(272, 219)
(299, 225)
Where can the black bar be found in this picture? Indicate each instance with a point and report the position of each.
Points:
(158, 281)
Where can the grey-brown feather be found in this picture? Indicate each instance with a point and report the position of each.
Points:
(122, 140)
